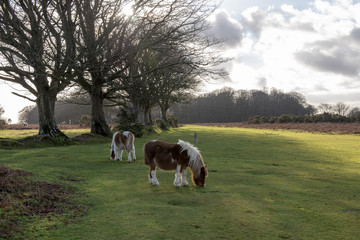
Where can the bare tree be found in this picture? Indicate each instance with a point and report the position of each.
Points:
(341, 108)
(354, 111)
(110, 44)
(325, 108)
(38, 49)
(177, 57)
(104, 49)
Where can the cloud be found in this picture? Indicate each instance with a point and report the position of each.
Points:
(355, 35)
(340, 55)
(351, 97)
(315, 50)
(226, 28)
(258, 20)
(254, 18)
(262, 82)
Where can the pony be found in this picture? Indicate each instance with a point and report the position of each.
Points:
(179, 156)
(120, 142)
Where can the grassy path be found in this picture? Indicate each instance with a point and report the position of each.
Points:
(262, 184)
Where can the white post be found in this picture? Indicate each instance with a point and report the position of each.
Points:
(196, 140)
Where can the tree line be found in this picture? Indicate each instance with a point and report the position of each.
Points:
(224, 105)
(156, 55)
(65, 113)
(229, 105)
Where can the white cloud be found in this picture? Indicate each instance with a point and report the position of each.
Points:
(315, 51)
(226, 28)
(340, 56)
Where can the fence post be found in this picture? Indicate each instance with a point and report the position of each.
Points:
(196, 140)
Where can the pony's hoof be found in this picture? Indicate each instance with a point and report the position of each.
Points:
(186, 185)
(154, 183)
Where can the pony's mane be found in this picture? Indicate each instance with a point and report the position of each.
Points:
(196, 162)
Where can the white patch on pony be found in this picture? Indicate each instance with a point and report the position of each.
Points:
(154, 180)
(177, 182)
(154, 141)
(126, 133)
(183, 178)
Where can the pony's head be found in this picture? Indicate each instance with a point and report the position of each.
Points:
(200, 180)
(199, 172)
(196, 163)
(112, 153)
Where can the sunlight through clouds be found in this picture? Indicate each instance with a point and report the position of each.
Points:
(314, 50)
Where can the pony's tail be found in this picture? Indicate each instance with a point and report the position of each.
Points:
(146, 158)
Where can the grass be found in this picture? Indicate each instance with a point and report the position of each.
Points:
(17, 134)
(262, 184)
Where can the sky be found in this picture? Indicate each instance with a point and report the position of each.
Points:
(311, 47)
(307, 46)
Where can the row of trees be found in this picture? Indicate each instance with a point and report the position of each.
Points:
(65, 113)
(225, 105)
(316, 118)
(228, 105)
(156, 55)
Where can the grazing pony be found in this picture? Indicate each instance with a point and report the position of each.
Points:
(179, 156)
(121, 141)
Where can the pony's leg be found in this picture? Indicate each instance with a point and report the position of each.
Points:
(119, 158)
(116, 151)
(133, 153)
(177, 182)
(183, 178)
(152, 175)
(129, 155)
(154, 179)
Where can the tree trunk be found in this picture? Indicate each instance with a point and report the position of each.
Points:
(150, 118)
(46, 109)
(98, 121)
(135, 109)
(163, 112)
(146, 112)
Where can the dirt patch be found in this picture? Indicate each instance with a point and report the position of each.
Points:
(330, 128)
(21, 199)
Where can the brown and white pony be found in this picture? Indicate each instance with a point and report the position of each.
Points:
(179, 156)
(120, 142)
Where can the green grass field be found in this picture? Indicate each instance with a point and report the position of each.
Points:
(262, 184)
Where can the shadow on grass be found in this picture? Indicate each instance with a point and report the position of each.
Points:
(47, 141)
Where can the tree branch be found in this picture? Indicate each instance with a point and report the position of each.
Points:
(19, 95)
